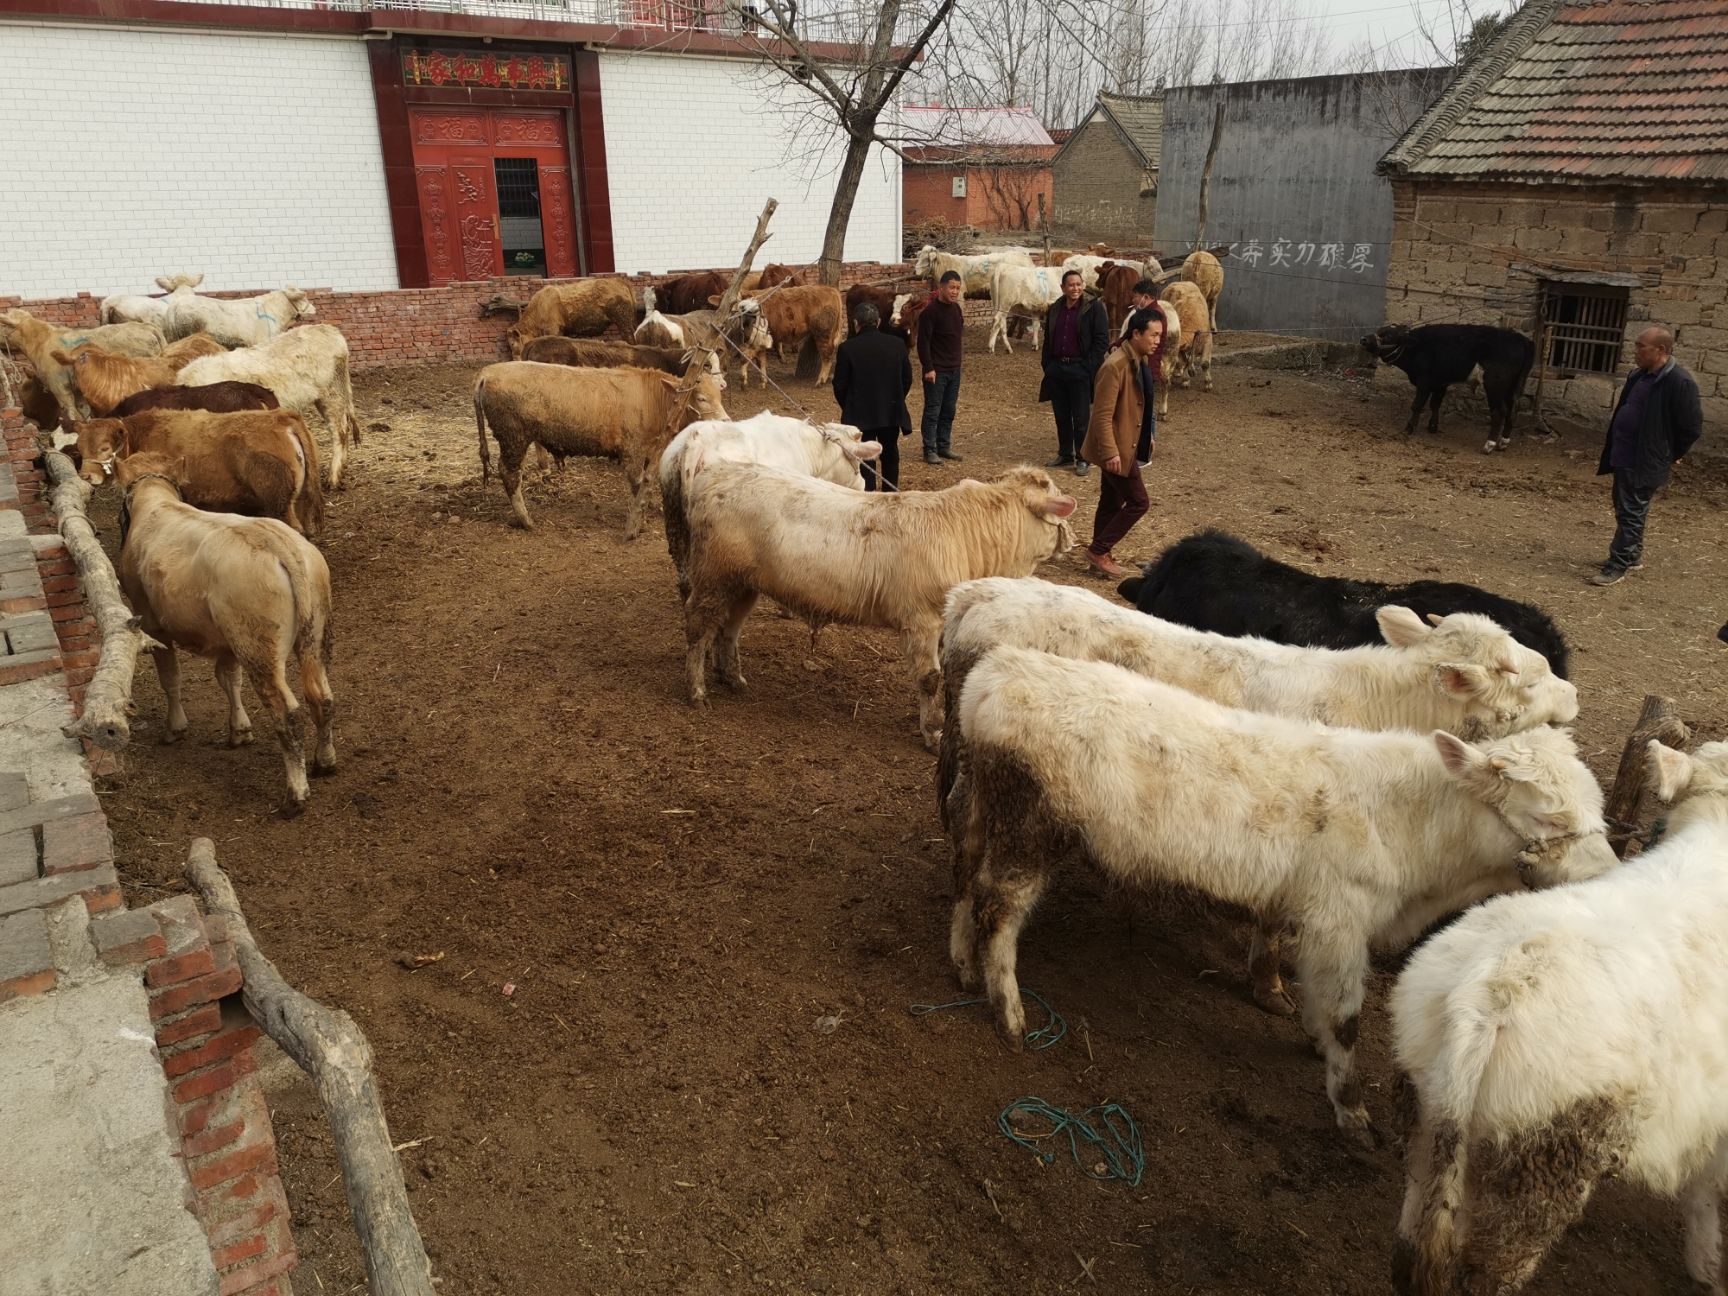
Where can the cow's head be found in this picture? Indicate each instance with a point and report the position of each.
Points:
(845, 451)
(702, 401)
(172, 283)
(925, 265)
(1537, 786)
(302, 304)
(98, 442)
(1387, 342)
(513, 341)
(1500, 686)
(78, 355)
(1037, 490)
(1685, 781)
(713, 365)
(10, 322)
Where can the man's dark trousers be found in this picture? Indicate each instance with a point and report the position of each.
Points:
(888, 462)
(941, 400)
(1070, 388)
(1631, 509)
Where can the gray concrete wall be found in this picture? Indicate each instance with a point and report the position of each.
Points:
(1294, 192)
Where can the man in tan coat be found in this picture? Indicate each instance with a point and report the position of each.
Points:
(1121, 410)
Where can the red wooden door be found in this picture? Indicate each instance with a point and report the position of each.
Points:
(456, 163)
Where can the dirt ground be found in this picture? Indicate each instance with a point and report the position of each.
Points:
(614, 1078)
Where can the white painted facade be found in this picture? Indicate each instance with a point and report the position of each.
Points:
(695, 146)
(131, 153)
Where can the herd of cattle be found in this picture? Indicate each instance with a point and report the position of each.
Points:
(1351, 763)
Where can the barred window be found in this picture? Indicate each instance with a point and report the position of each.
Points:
(1585, 326)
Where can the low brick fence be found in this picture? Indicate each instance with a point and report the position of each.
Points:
(406, 326)
(57, 849)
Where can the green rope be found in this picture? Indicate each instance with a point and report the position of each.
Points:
(1117, 1141)
(1051, 1032)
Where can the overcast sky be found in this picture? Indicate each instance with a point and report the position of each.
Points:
(1392, 26)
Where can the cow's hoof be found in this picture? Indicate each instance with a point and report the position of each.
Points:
(737, 683)
(171, 736)
(242, 739)
(1013, 1037)
(966, 976)
(323, 769)
(1279, 1002)
(291, 809)
(1360, 1133)
(700, 702)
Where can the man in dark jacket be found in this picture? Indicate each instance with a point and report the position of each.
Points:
(872, 374)
(941, 339)
(1076, 335)
(1655, 422)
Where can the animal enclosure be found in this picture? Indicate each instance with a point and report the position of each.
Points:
(667, 1048)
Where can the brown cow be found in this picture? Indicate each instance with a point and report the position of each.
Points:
(38, 404)
(690, 292)
(623, 414)
(263, 463)
(213, 398)
(38, 340)
(774, 275)
(585, 308)
(105, 379)
(813, 311)
(1116, 287)
(888, 304)
(246, 592)
(585, 353)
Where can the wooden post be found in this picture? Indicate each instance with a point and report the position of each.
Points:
(1206, 176)
(108, 696)
(328, 1046)
(699, 355)
(1622, 808)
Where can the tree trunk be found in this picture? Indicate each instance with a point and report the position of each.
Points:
(1625, 798)
(1206, 176)
(845, 194)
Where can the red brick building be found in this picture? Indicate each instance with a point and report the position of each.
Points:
(984, 167)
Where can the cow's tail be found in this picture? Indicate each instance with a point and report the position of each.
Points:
(310, 632)
(480, 427)
(313, 490)
(673, 505)
(1463, 1058)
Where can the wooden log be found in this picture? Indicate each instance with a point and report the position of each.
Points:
(723, 312)
(1206, 175)
(108, 696)
(499, 304)
(1625, 798)
(329, 1047)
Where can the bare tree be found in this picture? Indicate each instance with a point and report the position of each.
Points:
(858, 89)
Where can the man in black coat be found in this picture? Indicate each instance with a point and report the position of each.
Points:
(1655, 422)
(1076, 335)
(872, 374)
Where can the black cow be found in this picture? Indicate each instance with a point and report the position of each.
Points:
(1434, 356)
(1213, 581)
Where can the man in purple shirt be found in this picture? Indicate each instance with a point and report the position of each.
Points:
(1656, 421)
(1076, 335)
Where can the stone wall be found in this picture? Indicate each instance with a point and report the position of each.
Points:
(1097, 183)
(1477, 253)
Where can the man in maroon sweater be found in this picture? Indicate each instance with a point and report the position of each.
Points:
(941, 338)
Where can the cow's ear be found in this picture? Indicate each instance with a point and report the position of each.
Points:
(1401, 627)
(1669, 771)
(864, 451)
(1434, 618)
(714, 299)
(1462, 761)
(1461, 679)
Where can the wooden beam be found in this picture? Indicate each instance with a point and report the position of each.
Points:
(1623, 807)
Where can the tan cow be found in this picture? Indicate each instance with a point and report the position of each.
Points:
(1203, 270)
(829, 553)
(793, 314)
(262, 463)
(245, 592)
(1195, 345)
(586, 308)
(37, 340)
(104, 379)
(623, 414)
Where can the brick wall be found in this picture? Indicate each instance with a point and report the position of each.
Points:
(253, 158)
(1097, 187)
(203, 1035)
(696, 146)
(421, 325)
(1476, 253)
(996, 197)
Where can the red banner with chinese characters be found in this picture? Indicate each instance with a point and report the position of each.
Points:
(486, 71)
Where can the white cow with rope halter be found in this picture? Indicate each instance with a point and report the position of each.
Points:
(243, 321)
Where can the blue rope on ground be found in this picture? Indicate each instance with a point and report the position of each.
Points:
(1117, 1142)
(1051, 1032)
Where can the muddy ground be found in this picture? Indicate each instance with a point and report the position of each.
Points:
(614, 1079)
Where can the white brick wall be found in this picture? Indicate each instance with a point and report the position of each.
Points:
(130, 154)
(695, 146)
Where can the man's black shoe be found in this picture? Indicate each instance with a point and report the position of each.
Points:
(1060, 461)
(931, 457)
(949, 455)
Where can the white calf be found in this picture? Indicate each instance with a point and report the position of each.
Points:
(1024, 291)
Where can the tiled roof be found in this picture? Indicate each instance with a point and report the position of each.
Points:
(1625, 89)
(1140, 118)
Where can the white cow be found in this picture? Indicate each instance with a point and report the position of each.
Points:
(833, 554)
(1559, 1039)
(830, 452)
(1359, 840)
(123, 307)
(241, 321)
(1024, 291)
(974, 271)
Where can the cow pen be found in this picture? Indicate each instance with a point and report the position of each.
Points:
(637, 977)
